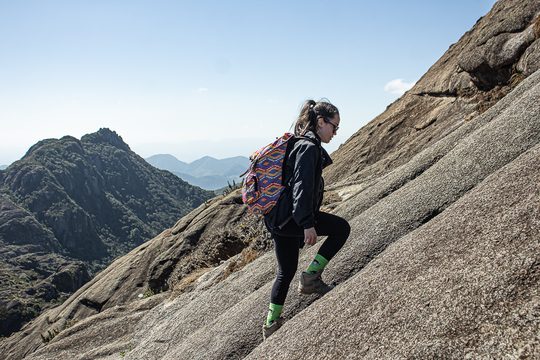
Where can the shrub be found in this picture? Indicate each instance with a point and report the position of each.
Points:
(51, 333)
(149, 292)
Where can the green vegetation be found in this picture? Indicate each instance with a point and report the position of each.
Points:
(71, 200)
(149, 292)
(51, 333)
(231, 187)
(124, 352)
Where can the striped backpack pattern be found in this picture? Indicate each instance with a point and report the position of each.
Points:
(262, 184)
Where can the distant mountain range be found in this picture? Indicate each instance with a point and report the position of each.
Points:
(2, 167)
(69, 207)
(207, 172)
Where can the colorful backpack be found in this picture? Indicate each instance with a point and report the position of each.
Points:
(263, 183)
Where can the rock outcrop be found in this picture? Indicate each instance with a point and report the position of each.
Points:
(442, 194)
(467, 80)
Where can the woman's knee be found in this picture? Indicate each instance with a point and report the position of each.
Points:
(343, 228)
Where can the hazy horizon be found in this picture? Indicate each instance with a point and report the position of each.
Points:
(206, 156)
(209, 78)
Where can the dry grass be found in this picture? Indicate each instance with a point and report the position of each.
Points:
(489, 98)
(247, 256)
(238, 242)
(516, 79)
(166, 233)
(187, 282)
(471, 116)
(536, 27)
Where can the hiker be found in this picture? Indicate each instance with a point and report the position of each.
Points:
(295, 220)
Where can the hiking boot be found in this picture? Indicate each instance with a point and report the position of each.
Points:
(268, 330)
(313, 284)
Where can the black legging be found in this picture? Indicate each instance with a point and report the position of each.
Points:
(291, 238)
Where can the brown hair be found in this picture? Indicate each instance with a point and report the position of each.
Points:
(311, 111)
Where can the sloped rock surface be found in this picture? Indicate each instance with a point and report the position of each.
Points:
(465, 285)
(213, 333)
(441, 191)
(222, 320)
(462, 84)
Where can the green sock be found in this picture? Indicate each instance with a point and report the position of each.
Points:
(273, 313)
(317, 264)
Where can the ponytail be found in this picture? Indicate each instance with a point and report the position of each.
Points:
(309, 114)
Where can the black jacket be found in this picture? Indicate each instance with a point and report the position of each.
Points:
(302, 176)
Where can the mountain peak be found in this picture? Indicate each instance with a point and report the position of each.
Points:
(207, 158)
(163, 156)
(66, 142)
(106, 136)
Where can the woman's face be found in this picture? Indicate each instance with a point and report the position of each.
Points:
(328, 128)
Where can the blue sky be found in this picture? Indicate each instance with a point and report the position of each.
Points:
(218, 78)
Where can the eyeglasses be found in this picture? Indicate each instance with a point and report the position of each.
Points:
(336, 127)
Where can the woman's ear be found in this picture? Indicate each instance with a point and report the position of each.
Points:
(320, 122)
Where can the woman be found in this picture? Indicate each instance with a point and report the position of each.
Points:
(296, 220)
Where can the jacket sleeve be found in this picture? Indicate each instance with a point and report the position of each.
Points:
(303, 183)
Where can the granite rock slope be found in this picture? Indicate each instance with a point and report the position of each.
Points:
(476, 72)
(441, 191)
(213, 333)
(464, 285)
(457, 282)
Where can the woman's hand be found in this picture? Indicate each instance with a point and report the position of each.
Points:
(310, 236)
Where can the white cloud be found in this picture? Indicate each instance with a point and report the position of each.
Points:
(202, 90)
(397, 86)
